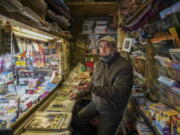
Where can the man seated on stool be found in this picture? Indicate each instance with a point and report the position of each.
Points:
(110, 90)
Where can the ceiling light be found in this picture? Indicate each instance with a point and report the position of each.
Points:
(20, 34)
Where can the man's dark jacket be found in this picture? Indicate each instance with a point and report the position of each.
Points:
(112, 85)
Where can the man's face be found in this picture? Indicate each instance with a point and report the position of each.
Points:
(105, 48)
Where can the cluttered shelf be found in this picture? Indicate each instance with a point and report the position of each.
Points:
(60, 9)
(144, 5)
(167, 73)
(146, 119)
(156, 71)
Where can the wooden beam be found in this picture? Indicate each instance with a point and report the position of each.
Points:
(88, 9)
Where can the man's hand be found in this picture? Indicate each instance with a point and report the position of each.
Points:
(85, 87)
(73, 96)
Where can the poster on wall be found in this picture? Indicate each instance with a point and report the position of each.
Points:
(127, 44)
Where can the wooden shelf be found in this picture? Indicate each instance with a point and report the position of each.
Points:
(162, 38)
(98, 33)
(84, 9)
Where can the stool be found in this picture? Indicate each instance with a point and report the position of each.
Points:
(96, 120)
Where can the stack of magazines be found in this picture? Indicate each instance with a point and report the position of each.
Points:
(175, 54)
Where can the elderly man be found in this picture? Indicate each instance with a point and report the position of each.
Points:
(110, 90)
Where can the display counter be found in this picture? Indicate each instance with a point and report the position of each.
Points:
(58, 103)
